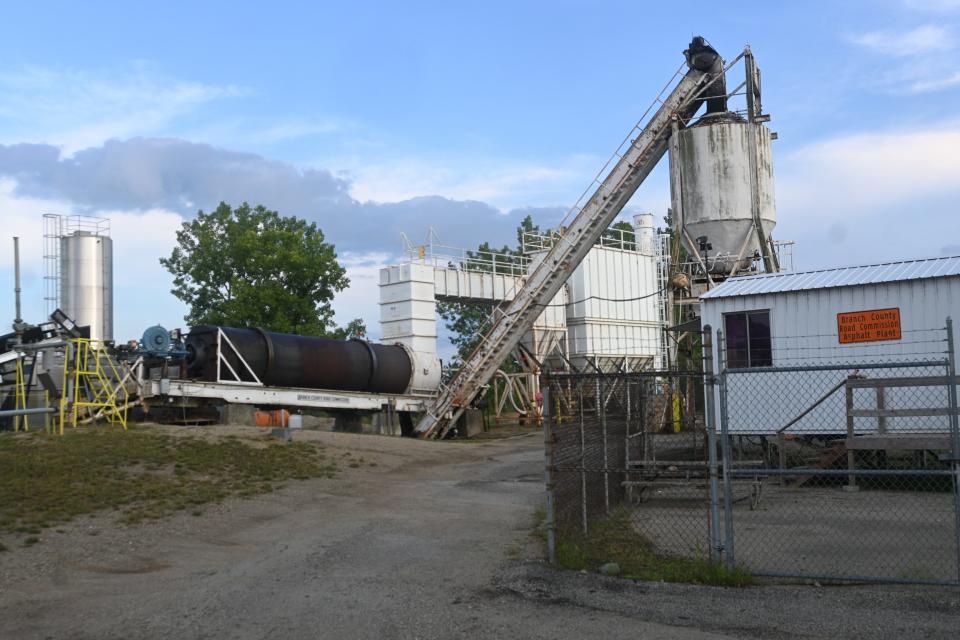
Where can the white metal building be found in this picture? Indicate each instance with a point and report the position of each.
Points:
(882, 313)
(609, 313)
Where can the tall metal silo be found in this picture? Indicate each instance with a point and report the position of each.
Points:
(721, 177)
(726, 163)
(86, 275)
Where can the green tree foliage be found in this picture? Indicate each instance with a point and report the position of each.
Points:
(250, 267)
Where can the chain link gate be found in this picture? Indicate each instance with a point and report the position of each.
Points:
(856, 462)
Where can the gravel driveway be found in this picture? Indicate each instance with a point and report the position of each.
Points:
(421, 540)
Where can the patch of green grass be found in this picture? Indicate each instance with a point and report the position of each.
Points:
(539, 531)
(139, 474)
(3, 547)
(614, 539)
(29, 542)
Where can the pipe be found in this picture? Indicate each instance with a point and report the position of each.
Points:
(702, 57)
(6, 413)
(286, 360)
(18, 321)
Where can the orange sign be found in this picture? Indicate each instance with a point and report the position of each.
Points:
(869, 326)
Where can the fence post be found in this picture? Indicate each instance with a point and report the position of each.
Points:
(551, 523)
(716, 546)
(725, 443)
(851, 454)
(954, 433)
(583, 468)
(602, 408)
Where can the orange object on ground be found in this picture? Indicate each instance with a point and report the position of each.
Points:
(276, 418)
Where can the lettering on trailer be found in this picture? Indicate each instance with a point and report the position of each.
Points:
(313, 397)
(869, 326)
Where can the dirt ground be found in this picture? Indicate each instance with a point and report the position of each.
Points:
(432, 542)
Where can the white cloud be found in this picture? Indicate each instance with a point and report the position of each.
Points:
(873, 169)
(503, 183)
(921, 40)
(916, 61)
(871, 196)
(933, 5)
(141, 286)
(77, 108)
(935, 84)
(362, 298)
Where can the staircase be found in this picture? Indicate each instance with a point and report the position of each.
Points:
(631, 164)
(93, 386)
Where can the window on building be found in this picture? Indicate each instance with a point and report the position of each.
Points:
(747, 336)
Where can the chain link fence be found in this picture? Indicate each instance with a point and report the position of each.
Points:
(628, 471)
(815, 468)
(855, 461)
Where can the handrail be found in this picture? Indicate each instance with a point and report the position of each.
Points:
(813, 406)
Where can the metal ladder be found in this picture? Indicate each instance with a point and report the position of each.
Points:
(632, 163)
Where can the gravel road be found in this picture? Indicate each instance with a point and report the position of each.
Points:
(422, 540)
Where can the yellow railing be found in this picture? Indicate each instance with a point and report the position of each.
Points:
(20, 400)
(92, 385)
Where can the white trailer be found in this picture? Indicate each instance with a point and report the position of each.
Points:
(786, 339)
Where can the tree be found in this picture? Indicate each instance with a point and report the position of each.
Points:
(250, 267)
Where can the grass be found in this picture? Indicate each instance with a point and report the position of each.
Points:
(615, 540)
(138, 474)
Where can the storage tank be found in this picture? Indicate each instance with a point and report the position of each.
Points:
(287, 360)
(86, 281)
(716, 188)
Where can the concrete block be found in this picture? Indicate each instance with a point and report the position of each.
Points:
(237, 414)
(470, 423)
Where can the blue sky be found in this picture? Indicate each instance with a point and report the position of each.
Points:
(376, 118)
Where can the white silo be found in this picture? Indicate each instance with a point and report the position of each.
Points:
(717, 186)
(86, 274)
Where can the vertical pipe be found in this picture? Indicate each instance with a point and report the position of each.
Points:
(725, 440)
(18, 320)
(749, 67)
(548, 453)
(954, 433)
(716, 545)
(583, 471)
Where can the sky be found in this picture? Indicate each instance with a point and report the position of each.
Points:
(374, 119)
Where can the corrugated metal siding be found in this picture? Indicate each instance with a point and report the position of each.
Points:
(600, 326)
(838, 277)
(803, 327)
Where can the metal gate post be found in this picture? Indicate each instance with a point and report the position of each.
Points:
(583, 468)
(725, 442)
(716, 545)
(601, 398)
(551, 523)
(954, 433)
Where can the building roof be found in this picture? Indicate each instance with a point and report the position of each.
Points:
(836, 277)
